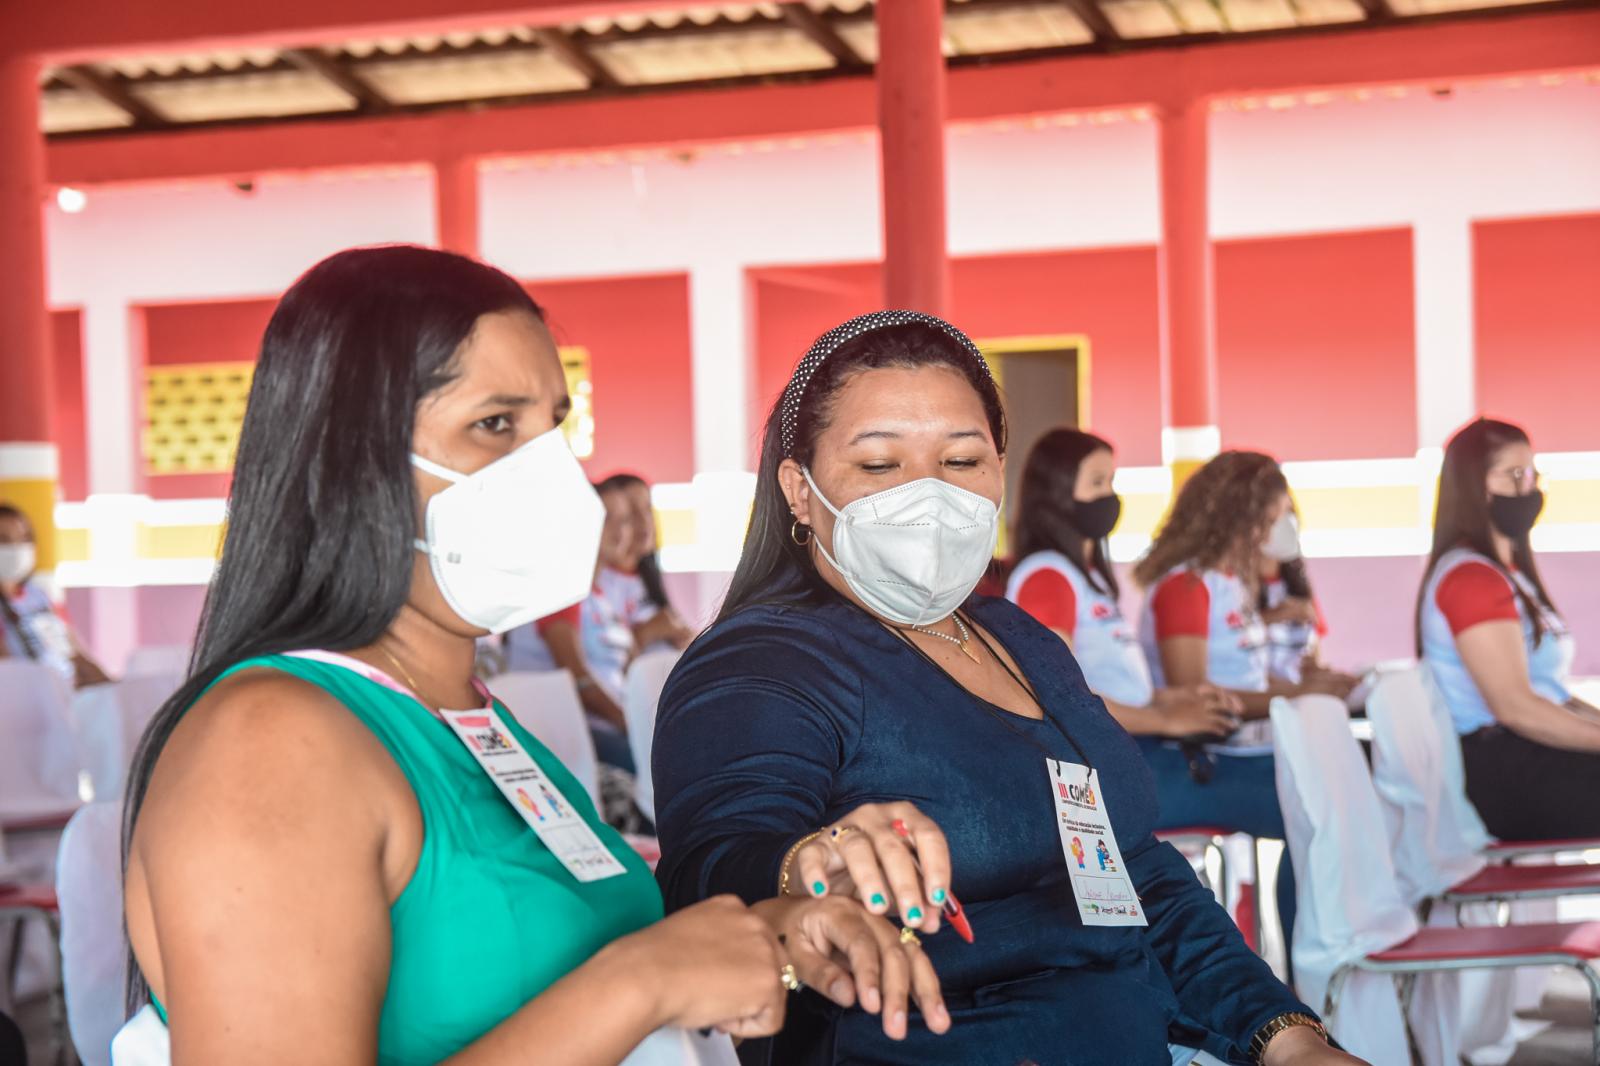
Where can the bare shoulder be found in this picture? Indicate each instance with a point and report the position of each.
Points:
(262, 746)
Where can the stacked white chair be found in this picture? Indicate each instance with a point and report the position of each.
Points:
(647, 676)
(93, 961)
(1348, 904)
(110, 720)
(39, 751)
(163, 660)
(547, 705)
(1438, 836)
(1439, 842)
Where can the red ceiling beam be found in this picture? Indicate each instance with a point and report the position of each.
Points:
(1434, 53)
(88, 30)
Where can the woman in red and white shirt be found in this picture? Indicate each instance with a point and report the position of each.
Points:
(1498, 651)
(1202, 620)
(1202, 623)
(1066, 509)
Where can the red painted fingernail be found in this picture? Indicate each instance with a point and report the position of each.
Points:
(900, 827)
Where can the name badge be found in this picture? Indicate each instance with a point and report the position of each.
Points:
(533, 795)
(1100, 882)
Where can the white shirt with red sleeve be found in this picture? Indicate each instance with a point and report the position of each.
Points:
(1063, 597)
(1216, 606)
(1467, 589)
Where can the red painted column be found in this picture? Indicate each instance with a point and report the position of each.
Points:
(28, 457)
(1188, 293)
(455, 201)
(911, 114)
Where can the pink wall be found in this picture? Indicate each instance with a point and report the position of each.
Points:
(1316, 354)
(637, 333)
(1538, 326)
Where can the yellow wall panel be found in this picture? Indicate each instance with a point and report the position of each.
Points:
(192, 415)
(1571, 501)
(1370, 507)
(178, 542)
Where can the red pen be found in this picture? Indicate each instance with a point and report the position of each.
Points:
(952, 908)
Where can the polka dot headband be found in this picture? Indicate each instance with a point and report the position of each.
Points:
(837, 338)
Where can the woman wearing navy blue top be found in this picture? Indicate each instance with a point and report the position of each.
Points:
(856, 722)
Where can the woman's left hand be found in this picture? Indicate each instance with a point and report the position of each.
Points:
(854, 957)
(873, 853)
(1301, 1046)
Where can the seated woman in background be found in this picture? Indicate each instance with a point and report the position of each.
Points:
(321, 863)
(1499, 651)
(1294, 621)
(637, 589)
(1201, 625)
(592, 640)
(1065, 509)
(1202, 579)
(30, 627)
(854, 713)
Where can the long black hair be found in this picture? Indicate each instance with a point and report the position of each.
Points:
(650, 564)
(1046, 503)
(1461, 515)
(322, 513)
(774, 567)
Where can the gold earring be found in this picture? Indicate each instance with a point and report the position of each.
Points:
(794, 533)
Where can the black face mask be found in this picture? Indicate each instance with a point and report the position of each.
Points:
(1096, 518)
(1515, 515)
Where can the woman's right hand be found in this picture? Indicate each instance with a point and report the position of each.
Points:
(1198, 711)
(715, 964)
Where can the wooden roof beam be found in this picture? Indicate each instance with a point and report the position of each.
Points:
(315, 61)
(822, 34)
(1376, 10)
(115, 93)
(1090, 14)
(565, 48)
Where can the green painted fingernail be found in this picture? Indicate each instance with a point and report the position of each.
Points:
(878, 900)
(914, 914)
(818, 888)
(937, 896)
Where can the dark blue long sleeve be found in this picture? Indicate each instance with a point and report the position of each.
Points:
(780, 721)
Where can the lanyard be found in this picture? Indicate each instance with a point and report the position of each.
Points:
(995, 712)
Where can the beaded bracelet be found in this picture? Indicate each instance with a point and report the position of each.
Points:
(788, 861)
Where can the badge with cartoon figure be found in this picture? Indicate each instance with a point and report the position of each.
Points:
(532, 794)
(1103, 891)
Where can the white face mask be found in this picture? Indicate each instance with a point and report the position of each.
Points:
(1283, 539)
(17, 561)
(913, 553)
(518, 539)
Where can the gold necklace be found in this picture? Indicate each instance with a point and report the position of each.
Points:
(416, 690)
(964, 642)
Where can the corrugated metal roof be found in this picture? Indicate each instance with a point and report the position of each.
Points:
(676, 45)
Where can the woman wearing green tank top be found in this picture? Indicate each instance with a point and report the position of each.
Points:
(319, 866)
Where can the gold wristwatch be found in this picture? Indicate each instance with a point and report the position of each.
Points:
(1264, 1035)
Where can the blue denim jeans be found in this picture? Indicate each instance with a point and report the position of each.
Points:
(1242, 795)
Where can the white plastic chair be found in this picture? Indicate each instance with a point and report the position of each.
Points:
(161, 660)
(1438, 836)
(39, 749)
(110, 719)
(647, 676)
(1348, 904)
(93, 962)
(546, 704)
